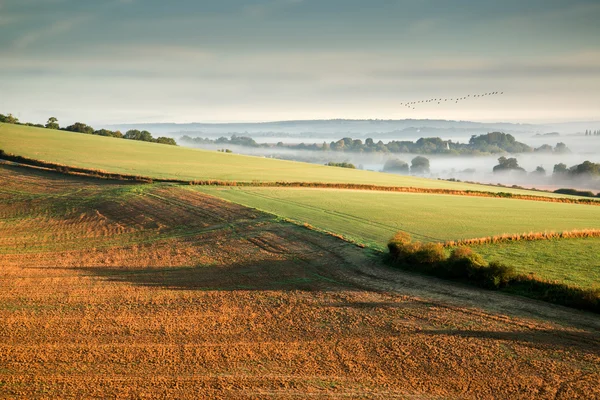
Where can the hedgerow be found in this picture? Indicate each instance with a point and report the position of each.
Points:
(70, 170)
(465, 265)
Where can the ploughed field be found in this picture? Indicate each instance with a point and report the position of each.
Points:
(164, 161)
(120, 290)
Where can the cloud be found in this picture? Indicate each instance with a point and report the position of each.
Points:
(267, 8)
(55, 29)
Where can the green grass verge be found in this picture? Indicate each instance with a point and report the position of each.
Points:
(572, 261)
(469, 267)
(372, 217)
(171, 162)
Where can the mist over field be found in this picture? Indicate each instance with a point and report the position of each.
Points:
(477, 168)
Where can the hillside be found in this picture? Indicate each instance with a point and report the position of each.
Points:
(161, 161)
(158, 291)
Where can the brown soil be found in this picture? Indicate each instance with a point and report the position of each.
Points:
(186, 296)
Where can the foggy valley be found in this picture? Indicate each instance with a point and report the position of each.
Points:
(475, 168)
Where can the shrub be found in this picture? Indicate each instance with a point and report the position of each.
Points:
(496, 275)
(575, 192)
(461, 254)
(461, 262)
(429, 255)
(558, 293)
(466, 265)
(341, 164)
(411, 254)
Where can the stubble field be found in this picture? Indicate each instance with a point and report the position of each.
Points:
(114, 290)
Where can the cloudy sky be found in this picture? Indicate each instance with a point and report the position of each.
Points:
(113, 61)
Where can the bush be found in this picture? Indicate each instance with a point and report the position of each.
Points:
(466, 265)
(429, 255)
(576, 192)
(463, 264)
(495, 275)
(466, 254)
(558, 293)
(341, 165)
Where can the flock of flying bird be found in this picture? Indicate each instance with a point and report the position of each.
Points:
(412, 104)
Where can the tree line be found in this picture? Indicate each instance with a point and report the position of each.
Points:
(592, 133)
(560, 170)
(490, 143)
(80, 127)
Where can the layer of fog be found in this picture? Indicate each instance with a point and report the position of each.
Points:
(332, 129)
(464, 168)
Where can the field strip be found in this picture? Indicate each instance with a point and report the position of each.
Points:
(117, 241)
(344, 216)
(100, 174)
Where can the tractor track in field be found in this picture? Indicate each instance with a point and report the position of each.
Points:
(217, 299)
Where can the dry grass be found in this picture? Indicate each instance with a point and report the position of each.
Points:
(573, 234)
(195, 297)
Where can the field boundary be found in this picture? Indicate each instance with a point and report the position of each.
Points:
(26, 162)
(467, 266)
(531, 236)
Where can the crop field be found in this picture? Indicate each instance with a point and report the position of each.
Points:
(122, 290)
(372, 218)
(163, 161)
(572, 261)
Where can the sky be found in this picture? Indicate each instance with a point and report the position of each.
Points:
(117, 61)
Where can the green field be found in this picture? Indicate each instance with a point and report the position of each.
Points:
(367, 217)
(163, 161)
(372, 217)
(572, 261)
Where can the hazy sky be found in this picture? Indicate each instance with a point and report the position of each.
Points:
(257, 60)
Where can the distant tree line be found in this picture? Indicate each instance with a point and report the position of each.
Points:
(490, 143)
(234, 140)
(80, 127)
(592, 133)
(341, 165)
(586, 168)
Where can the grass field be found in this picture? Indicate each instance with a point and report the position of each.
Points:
(572, 261)
(163, 161)
(112, 290)
(371, 217)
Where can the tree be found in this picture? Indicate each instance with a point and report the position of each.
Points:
(546, 148)
(52, 123)
(507, 164)
(134, 134)
(166, 140)
(561, 148)
(560, 169)
(419, 165)
(539, 171)
(11, 119)
(80, 127)
(395, 165)
(586, 168)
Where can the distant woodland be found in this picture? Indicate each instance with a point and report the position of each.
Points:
(490, 143)
(80, 127)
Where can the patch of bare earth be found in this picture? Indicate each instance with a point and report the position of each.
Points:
(196, 297)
